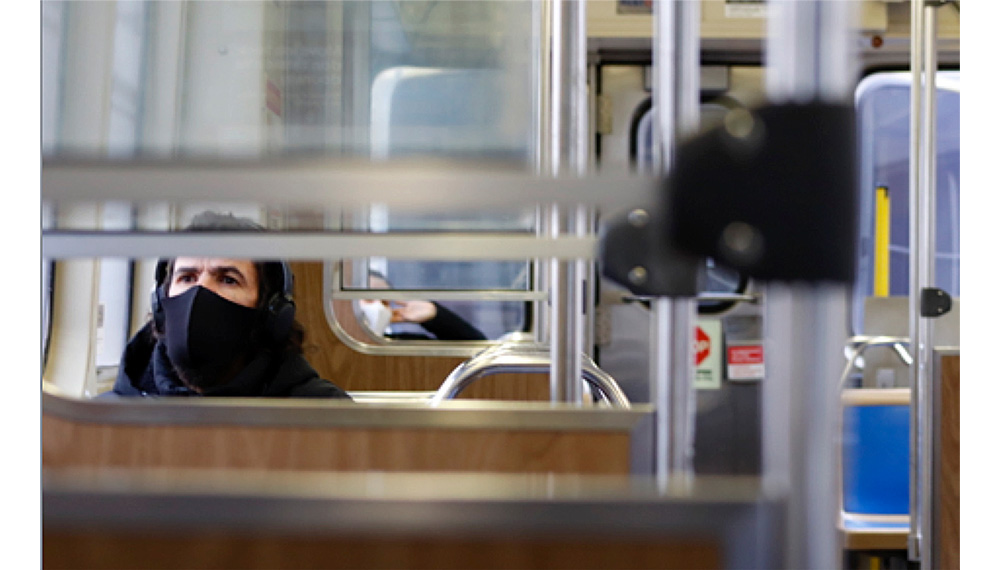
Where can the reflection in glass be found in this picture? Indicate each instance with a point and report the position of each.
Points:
(210, 78)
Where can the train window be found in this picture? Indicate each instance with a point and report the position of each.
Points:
(715, 278)
(114, 300)
(53, 29)
(448, 81)
(883, 104)
(503, 288)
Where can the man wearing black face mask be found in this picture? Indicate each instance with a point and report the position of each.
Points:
(221, 327)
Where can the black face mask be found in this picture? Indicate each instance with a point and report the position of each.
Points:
(205, 334)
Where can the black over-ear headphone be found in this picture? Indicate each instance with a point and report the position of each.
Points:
(279, 310)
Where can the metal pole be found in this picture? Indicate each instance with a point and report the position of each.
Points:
(928, 273)
(916, 346)
(676, 78)
(567, 90)
(540, 154)
(808, 55)
(923, 195)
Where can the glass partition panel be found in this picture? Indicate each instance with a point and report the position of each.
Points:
(213, 78)
(221, 82)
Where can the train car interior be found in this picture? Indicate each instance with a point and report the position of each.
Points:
(500, 284)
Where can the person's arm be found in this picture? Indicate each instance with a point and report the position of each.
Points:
(447, 325)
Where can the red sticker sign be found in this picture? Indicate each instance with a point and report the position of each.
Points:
(746, 355)
(745, 362)
(702, 346)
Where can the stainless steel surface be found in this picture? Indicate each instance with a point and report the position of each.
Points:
(389, 397)
(317, 246)
(915, 332)
(308, 412)
(923, 176)
(672, 324)
(449, 294)
(801, 396)
(683, 403)
(428, 186)
(566, 153)
(812, 43)
(810, 58)
(737, 297)
(927, 253)
(523, 357)
(676, 91)
(857, 346)
(565, 320)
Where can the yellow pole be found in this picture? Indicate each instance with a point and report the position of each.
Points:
(882, 241)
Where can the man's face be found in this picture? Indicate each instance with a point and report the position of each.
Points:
(231, 279)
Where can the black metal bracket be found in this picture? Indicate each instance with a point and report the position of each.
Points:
(934, 302)
(634, 254)
(771, 192)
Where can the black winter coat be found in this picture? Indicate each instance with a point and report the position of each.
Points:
(145, 370)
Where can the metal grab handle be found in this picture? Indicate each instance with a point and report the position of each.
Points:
(523, 357)
(862, 343)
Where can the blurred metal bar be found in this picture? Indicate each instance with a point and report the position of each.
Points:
(923, 242)
(809, 58)
(315, 245)
(337, 184)
(818, 59)
(438, 294)
(928, 271)
(676, 90)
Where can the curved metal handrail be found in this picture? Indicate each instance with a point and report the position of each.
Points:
(523, 357)
(859, 344)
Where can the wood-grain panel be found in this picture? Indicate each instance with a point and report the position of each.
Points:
(68, 443)
(949, 475)
(133, 550)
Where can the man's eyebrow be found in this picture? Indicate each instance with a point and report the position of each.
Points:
(224, 269)
(185, 269)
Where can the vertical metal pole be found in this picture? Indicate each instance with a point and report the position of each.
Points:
(928, 279)
(808, 55)
(541, 45)
(923, 194)
(567, 89)
(804, 346)
(676, 59)
(916, 347)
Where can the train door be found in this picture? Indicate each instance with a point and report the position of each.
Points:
(728, 337)
(880, 304)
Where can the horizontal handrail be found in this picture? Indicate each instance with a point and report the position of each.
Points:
(334, 184)
(859, 344)
(316, 245)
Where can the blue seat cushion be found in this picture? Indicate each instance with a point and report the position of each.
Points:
(876, 459)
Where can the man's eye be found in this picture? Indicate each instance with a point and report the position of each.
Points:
(185, 278)
(230, 280)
